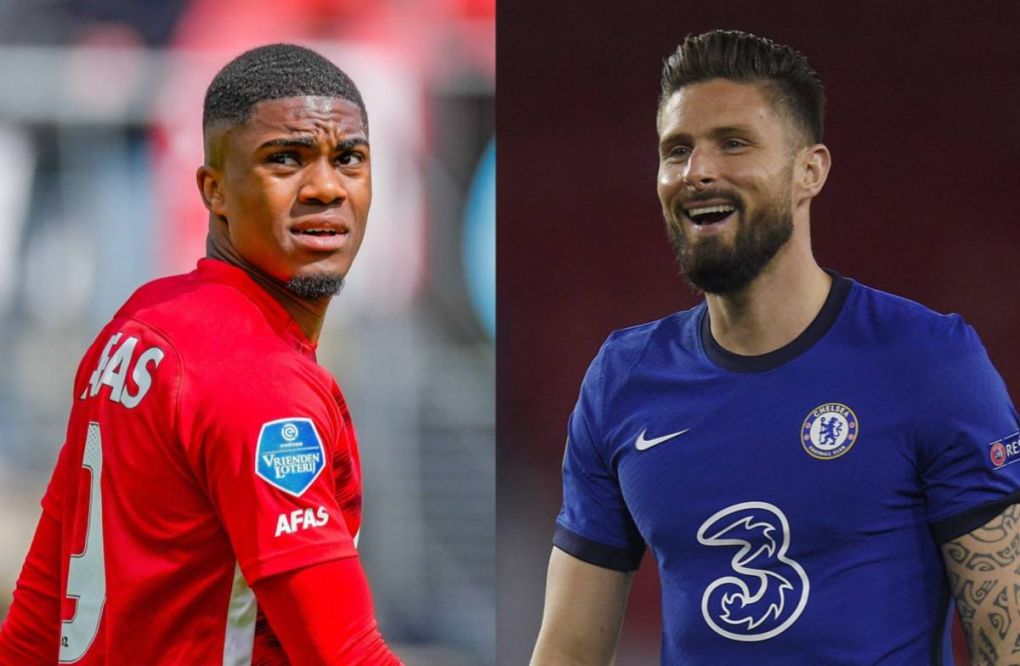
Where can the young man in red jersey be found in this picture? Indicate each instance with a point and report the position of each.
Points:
(205, 504)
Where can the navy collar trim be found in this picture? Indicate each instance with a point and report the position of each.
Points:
(823, 321)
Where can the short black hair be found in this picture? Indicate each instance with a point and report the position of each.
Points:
(746, 58)
(274, 71)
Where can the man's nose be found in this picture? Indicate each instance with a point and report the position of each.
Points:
(322, 184)
(700, 169)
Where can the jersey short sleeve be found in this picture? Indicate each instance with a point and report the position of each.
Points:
(970, 444)
(267, 452)
(594, 523)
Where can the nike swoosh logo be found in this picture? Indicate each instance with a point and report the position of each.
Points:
(641, 444)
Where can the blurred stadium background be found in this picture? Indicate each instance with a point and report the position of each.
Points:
(922, 123)
(100, 135)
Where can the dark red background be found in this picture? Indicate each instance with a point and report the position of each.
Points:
(924, 126)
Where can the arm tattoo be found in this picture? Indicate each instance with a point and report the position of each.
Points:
(983, 569)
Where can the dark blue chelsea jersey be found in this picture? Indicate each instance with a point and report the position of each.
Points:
(795, 502)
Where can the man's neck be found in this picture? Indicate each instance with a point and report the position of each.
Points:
(774, 309)
(308, 315)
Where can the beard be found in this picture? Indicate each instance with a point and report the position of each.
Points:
(315, 287)
(715, 266)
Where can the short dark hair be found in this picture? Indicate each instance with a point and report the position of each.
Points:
(746, 58)
(272, 72)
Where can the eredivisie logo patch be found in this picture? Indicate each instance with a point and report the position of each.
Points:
(289, 455)
(829, 431)
(1005, 451)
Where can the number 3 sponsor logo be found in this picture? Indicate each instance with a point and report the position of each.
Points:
(86, 575)
(767, 590)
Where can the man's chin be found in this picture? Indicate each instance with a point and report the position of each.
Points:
(719, 280)
(715, 266)
(316, 286)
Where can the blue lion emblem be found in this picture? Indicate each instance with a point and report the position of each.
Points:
(832, 428)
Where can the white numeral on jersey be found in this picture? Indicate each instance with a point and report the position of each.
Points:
(86, 575)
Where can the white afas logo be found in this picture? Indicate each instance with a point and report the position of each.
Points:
(114, 367)
(300, 519)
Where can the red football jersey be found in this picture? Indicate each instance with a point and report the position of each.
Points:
(206, 450)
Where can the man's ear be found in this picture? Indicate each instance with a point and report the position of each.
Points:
(210, 180)
(813, 169)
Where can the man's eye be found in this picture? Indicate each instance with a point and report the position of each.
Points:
(679, 152)
(733, 144)
(350, 158)
(285, 158)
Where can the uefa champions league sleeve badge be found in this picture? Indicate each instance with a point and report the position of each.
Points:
(289, 455)
(829, 431)
(1005, 451)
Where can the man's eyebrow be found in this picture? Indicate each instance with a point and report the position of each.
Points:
(731, 129)
(290, 142)
(715, 133)
(309, 142)
(349, 144)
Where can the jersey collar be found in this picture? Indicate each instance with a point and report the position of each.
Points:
(276, 314)
(821, 324)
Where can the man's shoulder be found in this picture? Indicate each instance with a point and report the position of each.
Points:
(189, 303)
(200, 314)
(626, 347)
(219, 333)
(640, 335)
(880, 317)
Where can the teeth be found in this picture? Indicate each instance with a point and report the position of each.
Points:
(725, 208)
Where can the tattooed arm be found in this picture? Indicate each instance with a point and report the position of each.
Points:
(984, 575)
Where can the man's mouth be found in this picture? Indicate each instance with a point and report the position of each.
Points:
(317, 232)
(320, 226)
(703, 215)
(322, 234)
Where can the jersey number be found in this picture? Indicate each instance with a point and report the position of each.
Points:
(86, 575)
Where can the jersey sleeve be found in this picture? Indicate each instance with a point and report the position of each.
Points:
(31, 630)
(969, 437)
(269, 452)
(594, 523)
(318, 628)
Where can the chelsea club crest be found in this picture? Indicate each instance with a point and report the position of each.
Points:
(829, 431)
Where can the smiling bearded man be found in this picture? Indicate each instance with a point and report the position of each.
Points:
(206, 502)
(813, 462)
